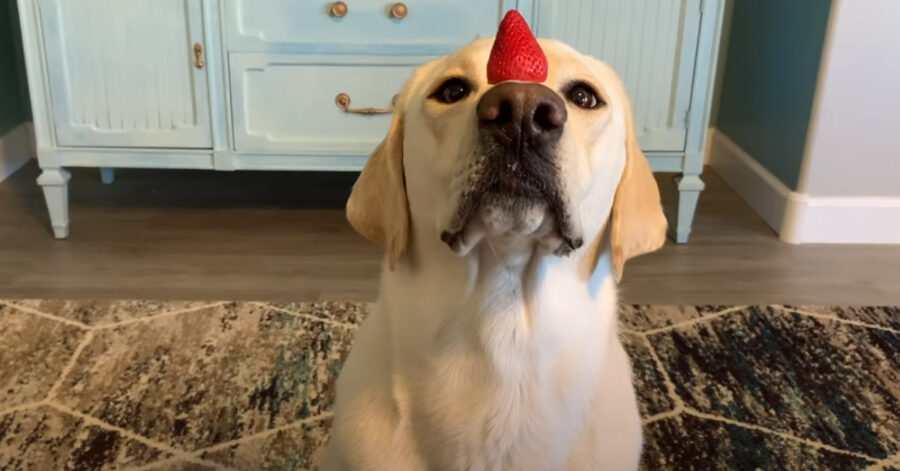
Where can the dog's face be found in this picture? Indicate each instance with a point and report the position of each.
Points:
(517, 165)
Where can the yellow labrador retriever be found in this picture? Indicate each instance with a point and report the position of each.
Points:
(507, 212)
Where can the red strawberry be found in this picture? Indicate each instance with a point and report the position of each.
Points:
(516, 54)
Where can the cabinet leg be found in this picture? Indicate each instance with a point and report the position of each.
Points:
(107, 175)
(689, 188)
(55, 183)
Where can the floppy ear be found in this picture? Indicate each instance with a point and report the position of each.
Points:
(638, 224)
(377, 207)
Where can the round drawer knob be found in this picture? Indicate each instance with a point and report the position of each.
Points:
(399, 10)
(338, 9)
(342, 100)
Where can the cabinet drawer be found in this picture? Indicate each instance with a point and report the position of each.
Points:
(286, 103)
(429, 27)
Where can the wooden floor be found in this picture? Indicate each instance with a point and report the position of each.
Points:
(282, 236)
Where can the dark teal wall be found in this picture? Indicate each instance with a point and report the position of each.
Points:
(13, 105)
(770, 74)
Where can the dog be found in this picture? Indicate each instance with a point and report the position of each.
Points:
(507, 212)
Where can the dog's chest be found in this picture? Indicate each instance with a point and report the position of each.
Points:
(505, 394)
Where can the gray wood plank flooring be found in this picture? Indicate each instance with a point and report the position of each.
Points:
(157, 234)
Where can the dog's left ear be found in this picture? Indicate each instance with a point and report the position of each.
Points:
(378, 207)
(638, 225)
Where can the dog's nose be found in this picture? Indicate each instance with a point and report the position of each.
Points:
(522, 111)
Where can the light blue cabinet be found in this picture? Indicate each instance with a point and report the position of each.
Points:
(307, 85)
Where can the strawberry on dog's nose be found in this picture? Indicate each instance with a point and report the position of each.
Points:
(522, 111)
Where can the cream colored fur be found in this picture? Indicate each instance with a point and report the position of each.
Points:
(504, 357)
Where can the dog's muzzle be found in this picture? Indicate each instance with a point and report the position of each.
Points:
(514, 188)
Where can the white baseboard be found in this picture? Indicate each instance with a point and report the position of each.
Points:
(16, 147)
(800, 218)
(842, 220)
(756, 185)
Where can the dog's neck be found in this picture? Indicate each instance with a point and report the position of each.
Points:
(494, 297)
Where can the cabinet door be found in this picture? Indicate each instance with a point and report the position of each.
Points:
(652, 44)
(123, 73)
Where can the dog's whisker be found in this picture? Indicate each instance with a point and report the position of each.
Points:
(493, 250)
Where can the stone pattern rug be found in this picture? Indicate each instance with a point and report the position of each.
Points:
(190, 386)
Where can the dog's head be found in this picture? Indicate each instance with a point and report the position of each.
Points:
(521, 165)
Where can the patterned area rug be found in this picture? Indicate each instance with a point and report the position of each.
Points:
(162, 386)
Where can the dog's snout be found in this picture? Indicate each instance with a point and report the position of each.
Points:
(529, 111)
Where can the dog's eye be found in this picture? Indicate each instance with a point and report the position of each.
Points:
(452, 91)
(583, 96)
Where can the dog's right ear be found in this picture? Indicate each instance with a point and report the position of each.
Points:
(377, 207)
(638, 223)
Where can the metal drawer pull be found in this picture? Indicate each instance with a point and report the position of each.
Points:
(338, 9)
(198, 56)
(399, 10)
(342, 100)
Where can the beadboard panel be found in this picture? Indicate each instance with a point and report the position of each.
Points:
(650, 43)
(123, 73)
